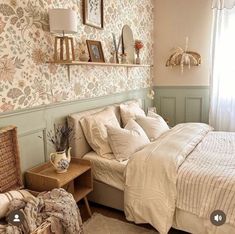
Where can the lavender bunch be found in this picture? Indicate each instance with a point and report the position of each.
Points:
(59, 138)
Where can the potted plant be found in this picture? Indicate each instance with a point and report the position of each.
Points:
(59, 138)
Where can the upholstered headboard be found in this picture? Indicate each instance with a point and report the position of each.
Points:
(79, 145)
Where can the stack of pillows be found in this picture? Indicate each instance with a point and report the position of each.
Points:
(108, 139)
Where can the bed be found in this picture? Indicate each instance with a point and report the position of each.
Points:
(109, 176)
(108, 187)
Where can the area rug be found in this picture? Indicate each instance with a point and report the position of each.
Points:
(99, 224)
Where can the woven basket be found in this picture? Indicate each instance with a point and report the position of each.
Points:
(10, 173)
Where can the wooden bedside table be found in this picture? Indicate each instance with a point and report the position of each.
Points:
(77, 180)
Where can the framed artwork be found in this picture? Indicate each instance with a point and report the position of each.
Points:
(93, 13)
(95, 51)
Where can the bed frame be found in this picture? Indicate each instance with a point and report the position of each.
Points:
(107, 195)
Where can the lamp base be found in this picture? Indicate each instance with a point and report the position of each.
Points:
(65, 52)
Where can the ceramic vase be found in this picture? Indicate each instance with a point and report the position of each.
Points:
(138, 61)
(84, 58)
(61, 160)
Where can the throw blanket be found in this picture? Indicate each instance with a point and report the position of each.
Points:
(151, 176)
(56, 206)
(206, 180)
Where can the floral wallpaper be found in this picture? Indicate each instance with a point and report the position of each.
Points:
(26, 80)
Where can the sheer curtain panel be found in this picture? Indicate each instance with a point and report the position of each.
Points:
(222, 109)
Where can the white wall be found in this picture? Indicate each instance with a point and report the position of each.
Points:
(174, 20)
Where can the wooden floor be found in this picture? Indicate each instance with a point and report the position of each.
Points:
(112, 213)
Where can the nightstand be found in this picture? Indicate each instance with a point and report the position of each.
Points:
(77, 180)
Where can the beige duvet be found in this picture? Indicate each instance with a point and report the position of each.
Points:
(150, 194)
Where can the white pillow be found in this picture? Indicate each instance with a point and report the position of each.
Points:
(127, 141)
(130, 111)
(5, 199)
(153, 126)
(95, 131)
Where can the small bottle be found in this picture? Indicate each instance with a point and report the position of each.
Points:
(113, 57)
(124, 58)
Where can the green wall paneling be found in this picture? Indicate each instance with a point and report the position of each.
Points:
(35, 122)
(183, 104)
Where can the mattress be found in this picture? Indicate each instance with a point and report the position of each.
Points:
(108, 171)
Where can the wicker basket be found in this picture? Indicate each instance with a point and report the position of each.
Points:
(10, 173)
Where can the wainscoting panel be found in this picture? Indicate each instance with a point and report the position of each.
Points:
(34, 123)
(32, 149)
(193, 109)
(168, 108)
(183, 104)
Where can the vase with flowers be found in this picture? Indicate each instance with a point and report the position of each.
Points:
(59, 139)
(138, 46)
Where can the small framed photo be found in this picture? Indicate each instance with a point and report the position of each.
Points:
(95, 51)
(93, 13)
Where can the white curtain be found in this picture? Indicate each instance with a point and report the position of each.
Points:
(222, 109)
(220, 4)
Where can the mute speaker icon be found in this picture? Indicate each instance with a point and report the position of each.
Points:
(218, 218)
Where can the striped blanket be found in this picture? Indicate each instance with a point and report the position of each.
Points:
(206, 179)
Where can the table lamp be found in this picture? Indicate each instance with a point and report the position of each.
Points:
(63, 21)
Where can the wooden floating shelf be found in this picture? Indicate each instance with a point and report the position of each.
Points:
(99, 64)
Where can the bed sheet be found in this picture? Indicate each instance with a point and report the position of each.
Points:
(108, 171)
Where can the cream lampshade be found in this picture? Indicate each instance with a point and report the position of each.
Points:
(63, 21)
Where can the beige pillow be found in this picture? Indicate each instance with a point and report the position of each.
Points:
(127, 141)
(95, 131)
(153, 126)
(130, 111)
(5, 199)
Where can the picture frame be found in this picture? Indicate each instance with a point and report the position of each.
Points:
(95, 51)
(93, 13)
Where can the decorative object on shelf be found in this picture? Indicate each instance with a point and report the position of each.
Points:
(95, 51)
(184, 57)
(59, 139)
(84, 56)
(63, 21)
(128, 44)
(113, 58)
(124, 58)
(83, 52)
(138, 46)
(116, 47)
(93, 13)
